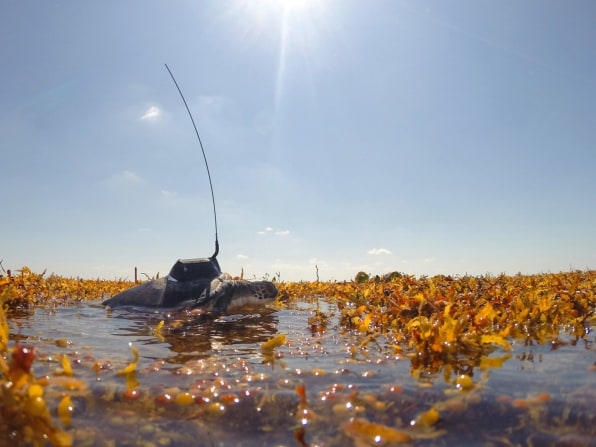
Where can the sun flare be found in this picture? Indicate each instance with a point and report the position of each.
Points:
(290, 4)
(295, 34)
(266, 10)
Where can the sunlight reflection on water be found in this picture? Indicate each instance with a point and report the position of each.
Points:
(213, 357)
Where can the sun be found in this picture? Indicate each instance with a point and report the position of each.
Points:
(272, 8)
(294, 29)
(290, 4)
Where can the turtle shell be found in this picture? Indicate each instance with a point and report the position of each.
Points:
(195, 283)
(187, 285)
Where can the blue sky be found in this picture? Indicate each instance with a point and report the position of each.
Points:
(420, 136)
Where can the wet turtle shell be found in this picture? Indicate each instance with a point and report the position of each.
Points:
(195, 283)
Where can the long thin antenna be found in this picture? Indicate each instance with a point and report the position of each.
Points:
(204, 158)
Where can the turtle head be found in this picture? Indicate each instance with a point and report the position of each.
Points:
(229, 293)
(263, 291)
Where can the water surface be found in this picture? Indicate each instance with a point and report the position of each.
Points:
(204, 380)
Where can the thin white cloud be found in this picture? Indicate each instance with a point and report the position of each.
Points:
(168, 194)
(151, 113)
(241, 256)
(269, 230)
(124, 179)
(216, 105)
(378, 251)
(130, 177)
(265, 231)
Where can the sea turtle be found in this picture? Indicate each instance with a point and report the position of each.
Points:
(195, 283)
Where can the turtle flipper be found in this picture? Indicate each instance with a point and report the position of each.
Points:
(221, 293)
